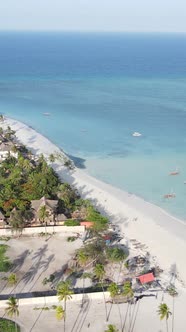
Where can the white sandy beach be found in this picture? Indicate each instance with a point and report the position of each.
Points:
(161, 234)
(92, 317)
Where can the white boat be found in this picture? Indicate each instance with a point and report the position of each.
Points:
(136, 134)
(47, 114)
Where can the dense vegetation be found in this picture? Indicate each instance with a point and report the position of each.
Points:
(8, 326)
(97, 252)
(24, 178)
(100, 222)
(22, 181)
(5, 264)
(71, 222)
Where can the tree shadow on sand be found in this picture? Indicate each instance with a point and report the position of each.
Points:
(36, 266)
(173, 273)
(16, 266)
(44, 266)
(82, 315)
(58, 275)
(19, 261)
(40, 252)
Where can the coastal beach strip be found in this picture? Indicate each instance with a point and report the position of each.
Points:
(160, 234)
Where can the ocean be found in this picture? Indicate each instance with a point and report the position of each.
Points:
(98, 89)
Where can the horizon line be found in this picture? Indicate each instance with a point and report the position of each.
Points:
(92, 31)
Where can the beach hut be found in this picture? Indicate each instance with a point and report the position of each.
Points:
(145, 278)
(51, 207)
(79, 214)
(61, 218)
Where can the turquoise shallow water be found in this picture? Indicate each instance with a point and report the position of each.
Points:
(99, 89)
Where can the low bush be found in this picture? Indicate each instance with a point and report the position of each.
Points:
(5, 238)
(172, 290)
(71, 222)
(71, 239)
(41, 308)
(43, 234)
(47, 280)
(5, 263)
(115, 254)
(7, 325)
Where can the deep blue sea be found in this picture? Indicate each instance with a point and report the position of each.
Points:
(99, 89)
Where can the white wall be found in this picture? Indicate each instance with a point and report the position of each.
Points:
(66, 230)
(49, 300)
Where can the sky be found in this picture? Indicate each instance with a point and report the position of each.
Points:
(94, 15)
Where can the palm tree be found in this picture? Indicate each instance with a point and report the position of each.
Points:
(172, 292)
(95, 250)
(27, 165)
(113, 289)
(82, 257)
(111, 328)
(12, 309)
(52, 158)
(164, 312)
(17, 221)
(12, 279)
(99, 272)
(128, 292)
(84, 276)
(64, 293)
(60, 312)
(1, 117)
(14, 149)
(115, 254)
(43, 215)
(9, 133)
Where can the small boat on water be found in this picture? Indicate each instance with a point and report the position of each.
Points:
(170, 195)
(136, 134)
(46, 114)
(176, 172)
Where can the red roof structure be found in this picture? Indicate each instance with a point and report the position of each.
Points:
(107, 237)
(87, 224)
(145, 278)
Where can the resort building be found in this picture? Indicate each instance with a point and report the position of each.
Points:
(51, 208)
(146, 278)
(79, 214)
(61, 218)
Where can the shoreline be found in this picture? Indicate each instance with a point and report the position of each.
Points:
(161, 234)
